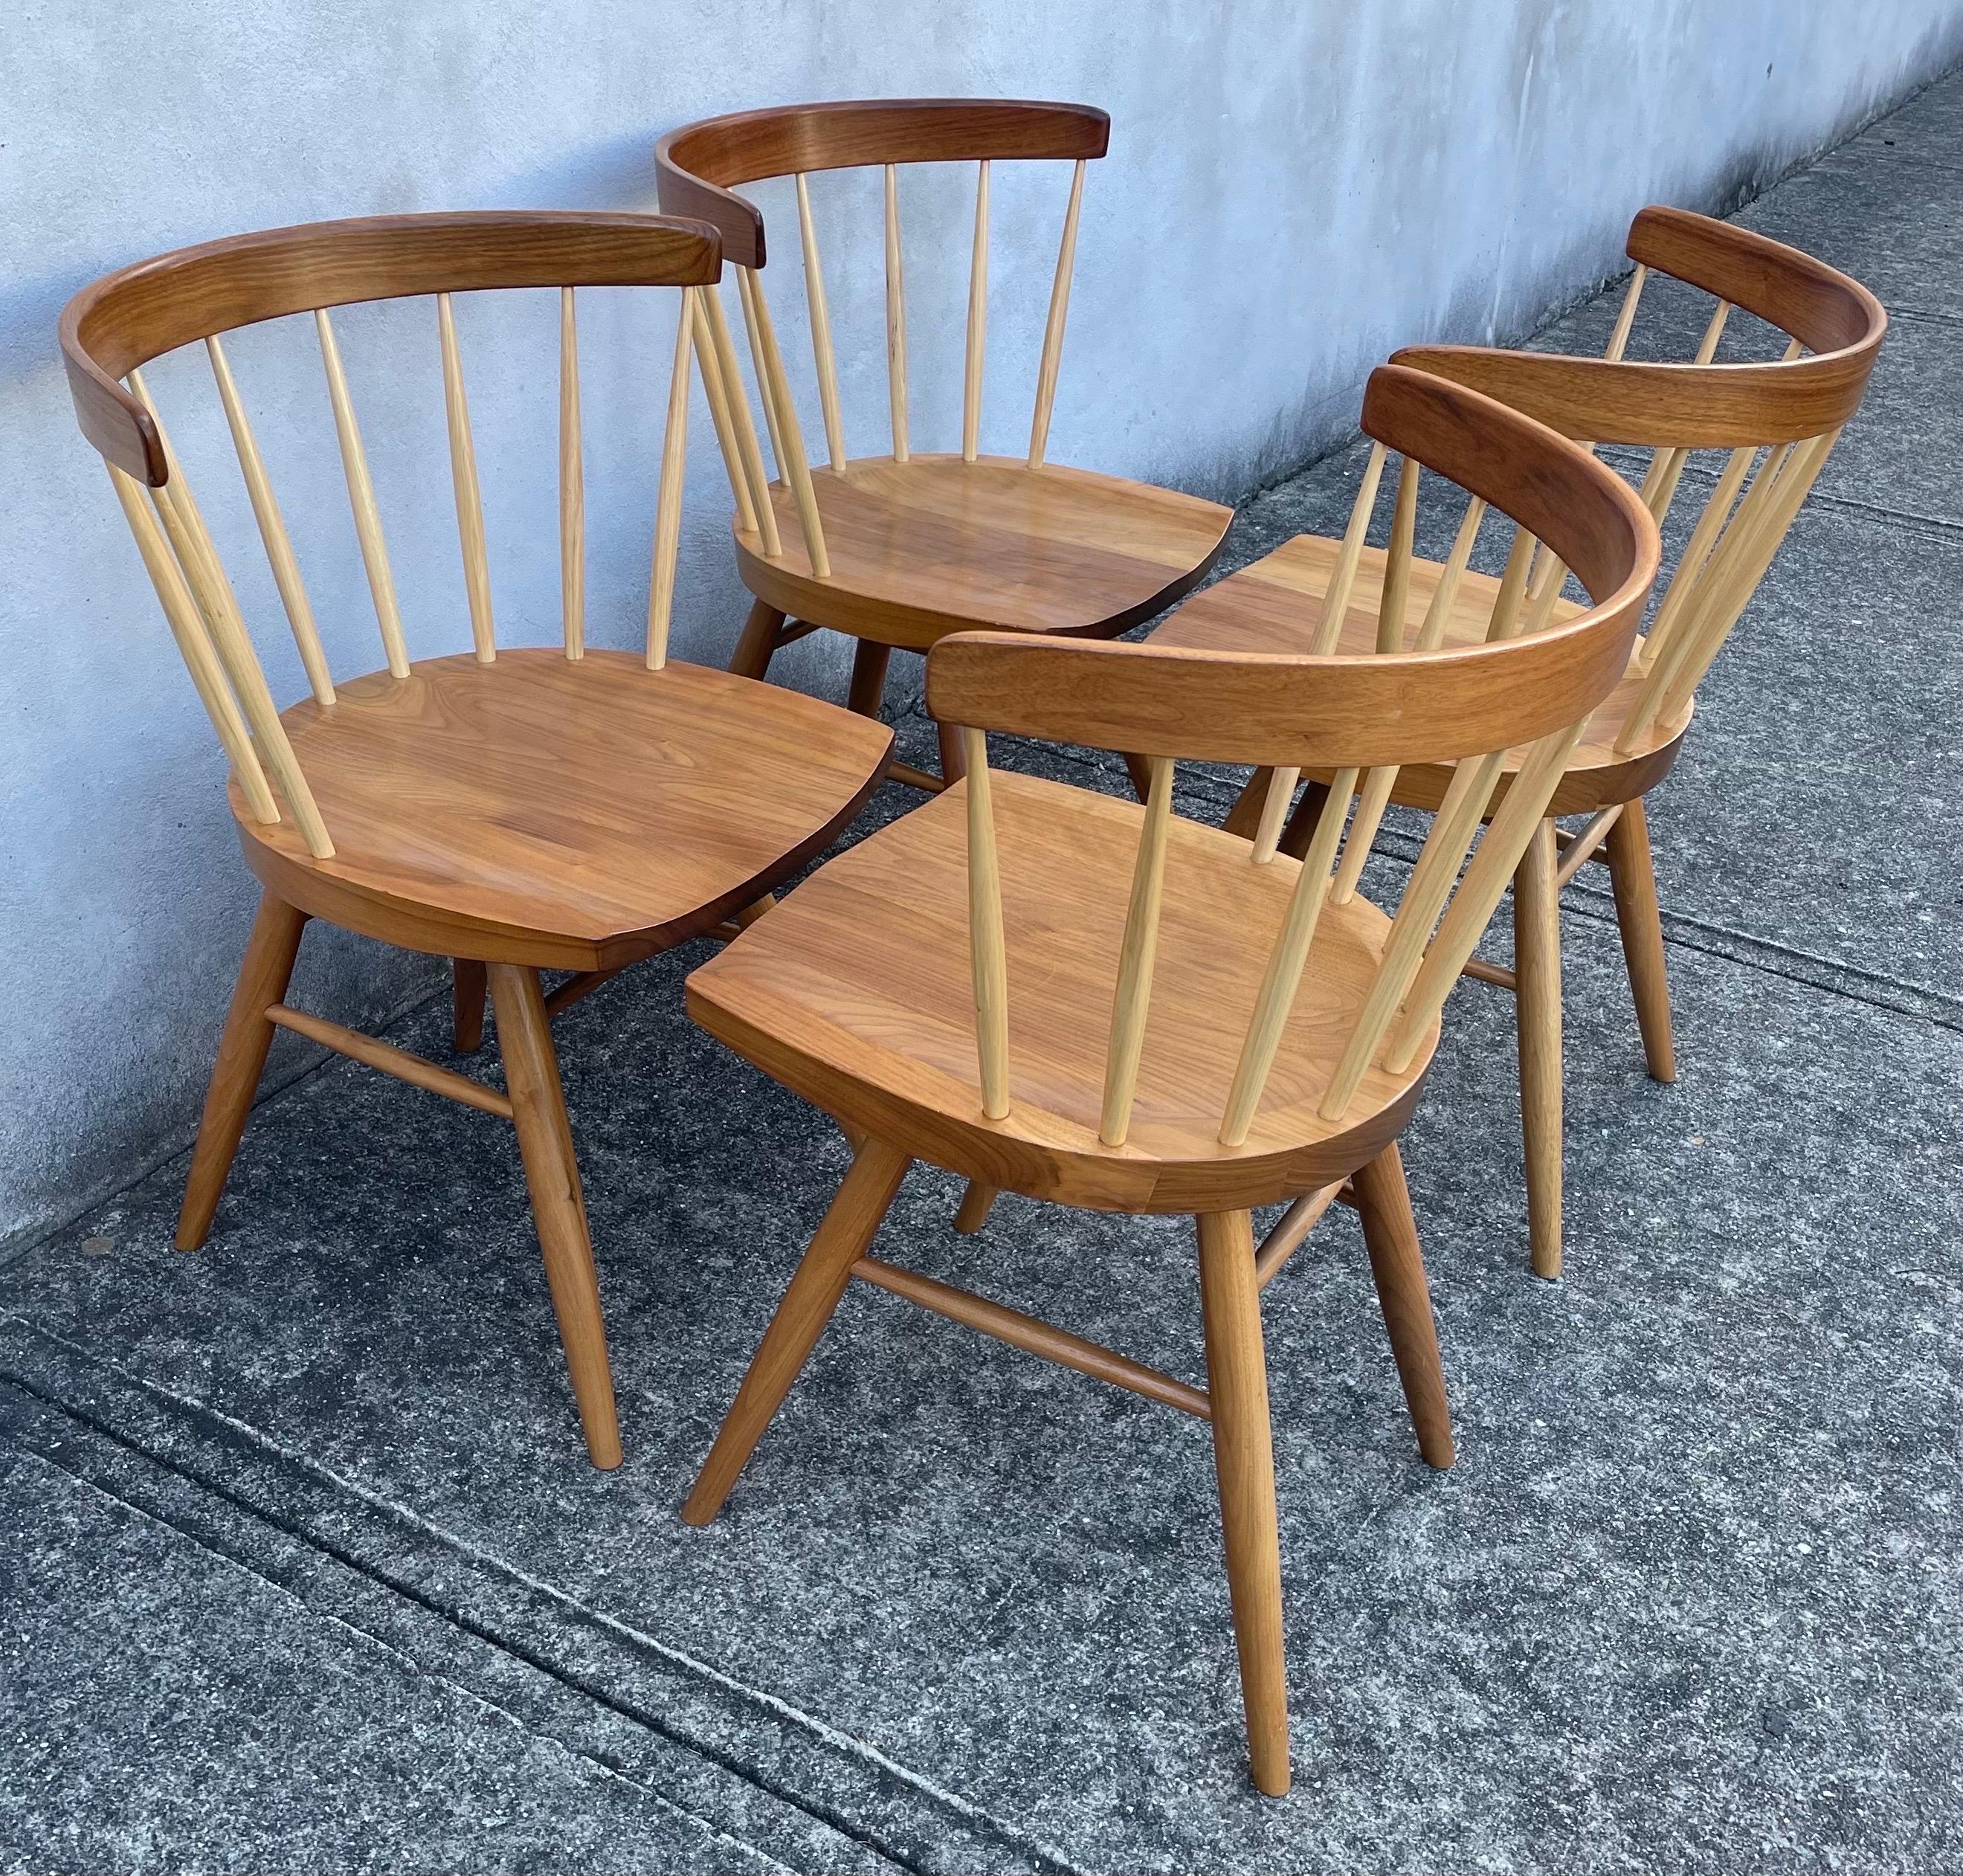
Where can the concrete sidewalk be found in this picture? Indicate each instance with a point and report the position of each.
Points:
(309, 1572)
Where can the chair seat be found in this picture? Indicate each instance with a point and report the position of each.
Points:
(856, 993)
(1276, 605)
(934, 544)
(572, 813)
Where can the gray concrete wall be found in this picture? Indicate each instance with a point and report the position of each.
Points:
(1294, 186)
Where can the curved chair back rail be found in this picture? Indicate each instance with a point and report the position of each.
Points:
(697, 167)
(1361, 716)
(1779, 418)
(110, 330)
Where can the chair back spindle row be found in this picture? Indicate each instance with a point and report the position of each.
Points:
(111, 330)
(1363, 717)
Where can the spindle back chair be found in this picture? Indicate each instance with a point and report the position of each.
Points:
(568, 808)
(1778, 418)
(900, 549)
(1109, 1006)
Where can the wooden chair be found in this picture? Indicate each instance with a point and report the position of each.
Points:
(1778, 419)
(899, 550)
(519, 809)
(1266, 1041)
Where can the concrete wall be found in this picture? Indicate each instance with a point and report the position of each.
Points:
(1294, 187)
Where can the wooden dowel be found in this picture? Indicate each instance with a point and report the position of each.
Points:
(909, 776)
(1059, 313)
(1452, 827)
(1578, 850)
(361, 499)
(777, 395)
(1290, 1232)
(976, 1203)
(978, 322)
(1274, 813)
(1286, 957)
(1033, 1334)
(272, 530)
(751, 457)
(1371, 803)
(896, 319)
(716, 395)
(1438, 614)
(667, 509)
(1528, 794)
(746, 294)
(390, 1060)
(1504, 621)
(1487, 973)
(1132, 998)
(1689, 570)
(821, 329)
(578, 987)
(1665, 468)
(463, 480)
(1626, 317)
(193, 645)
(572, 484)
(1343, 578)
(987, 951)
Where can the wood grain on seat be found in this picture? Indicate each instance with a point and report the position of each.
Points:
(571, 813)
(935, 545)
(856, 993)
(1276, 605)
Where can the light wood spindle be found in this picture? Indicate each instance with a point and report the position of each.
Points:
(1328, 632)
(361, 499)
(716, 395)
(1059, 313)
(1505, 620)
(896, 319)
(272, 530)
(1625, 315)
(463, 481)
(1377, 787)
(988, 950)
(1430, 885)
(1438, 614)
(746, 294)
(194, 644)
(211, 591)
(667, 506)
(1666, 469)
(1683, 583)
(751, 455)
(1132, 999)
(786, 434)
(1286, 957)
(572, 484)
(1480, 892)
(978, 322)
(821, 329)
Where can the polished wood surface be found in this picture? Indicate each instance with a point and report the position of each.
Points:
(128, 318)
(697, 167)
(570, 814)
(857, 994)
(935, 546)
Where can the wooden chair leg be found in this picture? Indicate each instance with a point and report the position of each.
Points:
(1140, 771)
(1301, 827)
(976, 1203)
(846, 1229)
(953, 757)
(559, 1208)
(868, 688)
(1389, 1234)
(468, 985)
(757, 640)
(1244, 816)
(1237, 1379)
(263, 977)
(1537, 974)
(1632, 875)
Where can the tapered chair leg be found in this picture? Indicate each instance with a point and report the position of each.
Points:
(1140, 771)
(1302, 824)
(842, 1236)
(1537, 974)
(757, 640)
(976, 1203)
(468, 985)
(867, 690)
(558, 1207)
(1236, 1377)
(1390, 1234)
(953, 757)
(263, 977)
(1633, 877)
(1244, 818)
